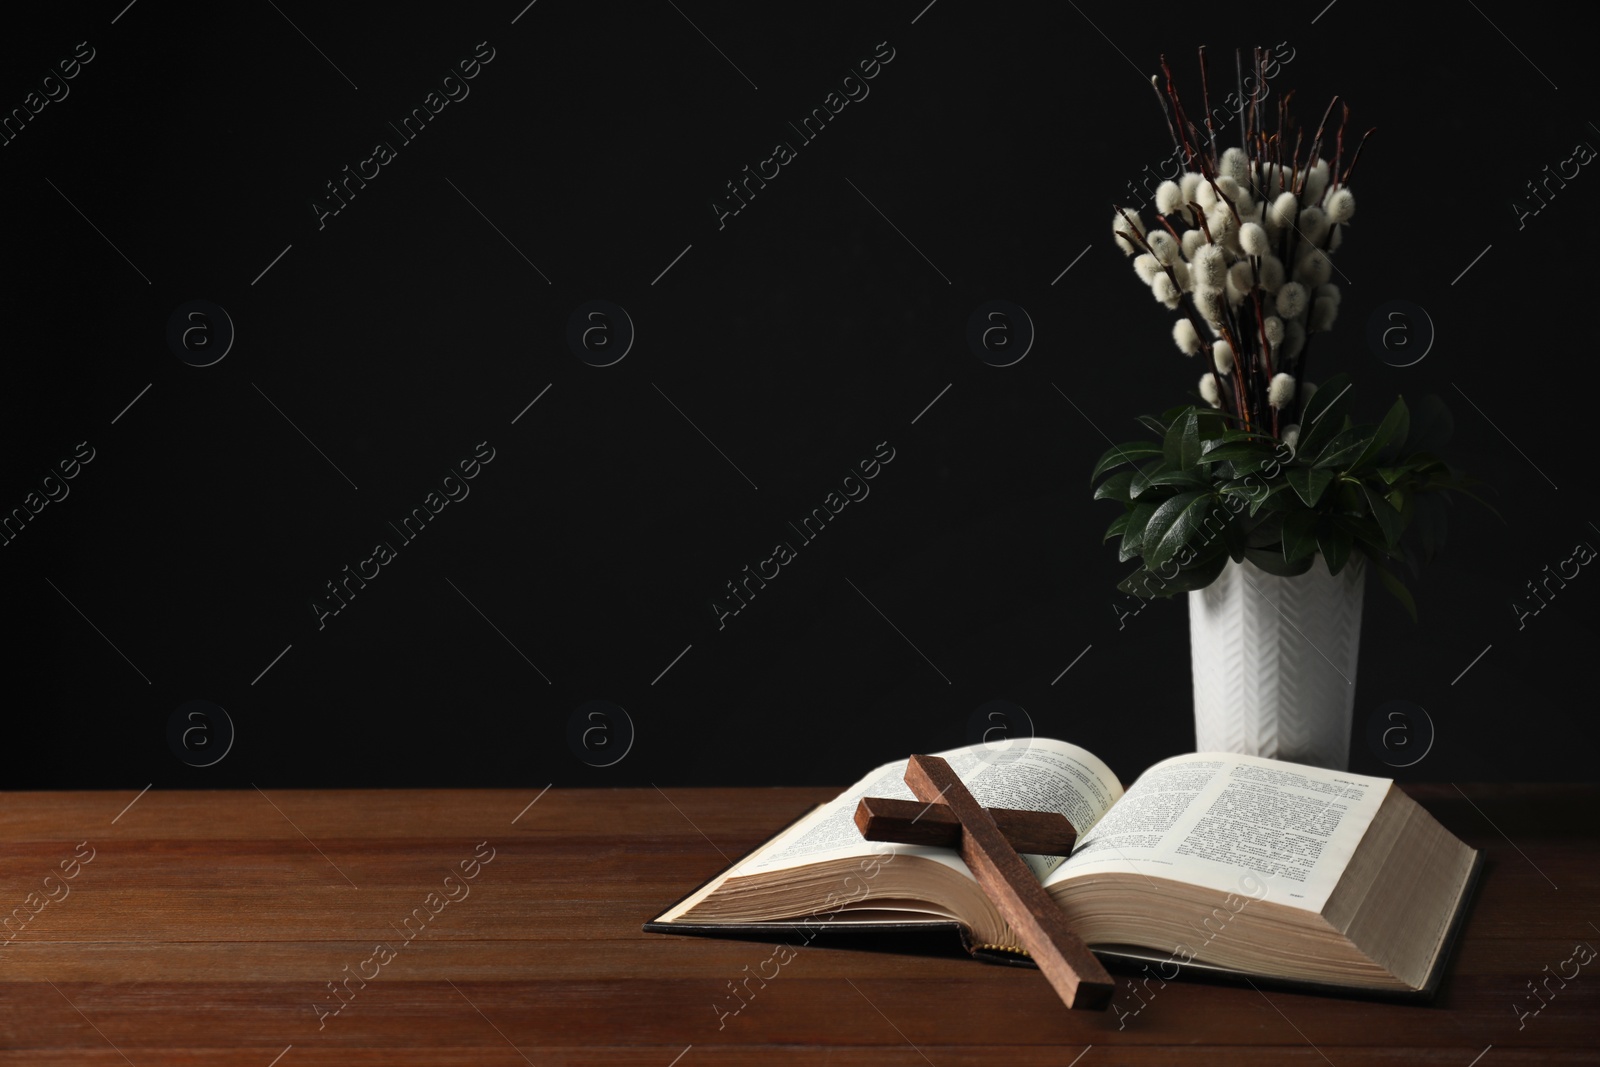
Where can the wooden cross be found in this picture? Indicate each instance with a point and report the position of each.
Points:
(989, 840)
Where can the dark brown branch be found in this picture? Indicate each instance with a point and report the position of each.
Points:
(1338, 155)
(1316, 144)
(1205, 102)
(1261, 325)
(1246, 118)
(1165, 112)
(1177, 110)
(1283, 107)
(1351, 168)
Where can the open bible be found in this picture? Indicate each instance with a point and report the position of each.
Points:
(1225, 863)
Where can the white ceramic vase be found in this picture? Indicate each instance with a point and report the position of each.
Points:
(1275, 662)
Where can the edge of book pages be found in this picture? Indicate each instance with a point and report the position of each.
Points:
(846, 931)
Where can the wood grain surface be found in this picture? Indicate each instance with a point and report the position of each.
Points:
(911, 822)
(206, 927)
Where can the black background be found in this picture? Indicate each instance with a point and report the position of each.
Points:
(797, 338)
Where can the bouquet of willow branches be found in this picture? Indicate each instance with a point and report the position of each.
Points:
(1270, 469)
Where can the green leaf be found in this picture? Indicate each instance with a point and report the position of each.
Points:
(1334, 541)
(1430, 517)
(1265, 443)
(1145, 582)
(1468, 492)
(1200, 574)
(1344, 445)
(1392, 583)
(1185, 479)
(1210, 423)
(1132, 452)
(1324, 415)
(1173, 524)
(1390, 475)
(1248, 452)
(1388, 518)
(1146, 469)
(1133, 533)
(1118, 527)
(1300, 535)
(1370, 537)
(1431, 426)
(1393, 428)
(1115, 487)
(1235, 540)
(1401, 501)
(1274, 499)
(1264, 534)
(1271, 560)
(1181, 446)
(1309, 482)
(1154, 425)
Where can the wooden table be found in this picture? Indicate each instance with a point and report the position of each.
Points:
(206, 925)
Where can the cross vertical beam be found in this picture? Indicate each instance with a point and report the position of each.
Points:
(1066, 962)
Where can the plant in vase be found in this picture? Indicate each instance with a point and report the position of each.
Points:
(1267, 502)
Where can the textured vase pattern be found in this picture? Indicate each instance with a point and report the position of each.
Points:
(1275, 662)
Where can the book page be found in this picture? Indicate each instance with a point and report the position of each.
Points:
(1206, 818)
(1046, 775)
